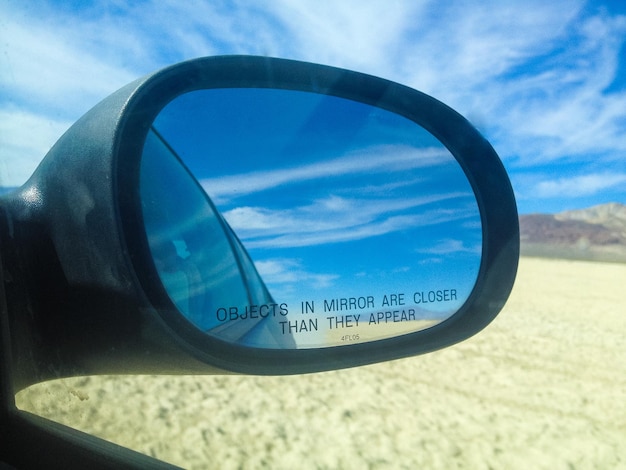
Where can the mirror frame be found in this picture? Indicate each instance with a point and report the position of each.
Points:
(100, 307)
(483, 168)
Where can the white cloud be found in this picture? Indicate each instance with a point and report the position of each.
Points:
(449, 246)
(285, 271)
(578, 186)
(563, 111)
(49, 77)
(460, 49)
(335, 220)
(24, 140)
(388, 225)
(384, 158)
(45, 69)
(350, 34)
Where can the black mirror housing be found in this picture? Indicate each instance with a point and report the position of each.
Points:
(83, 294)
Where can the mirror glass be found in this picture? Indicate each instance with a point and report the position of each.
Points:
(288, 219)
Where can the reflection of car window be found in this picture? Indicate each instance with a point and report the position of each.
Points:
(257, 289)
(206, 272)
(211, 265)
(268, 330)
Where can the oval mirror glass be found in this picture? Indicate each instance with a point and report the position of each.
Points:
(289, 219)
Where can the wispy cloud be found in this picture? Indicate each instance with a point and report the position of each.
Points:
(451, 246)
(49, 76)
(25, 138)
(457, 48)
(336, 219)
(384, 158)
(584, 185)
(61, 72)
(351, 34)
(285, 272)
(560, 106)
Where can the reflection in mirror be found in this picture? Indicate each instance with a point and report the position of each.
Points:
(199, 260)
(310, 220)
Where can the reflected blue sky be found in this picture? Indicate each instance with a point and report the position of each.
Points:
(331, 198)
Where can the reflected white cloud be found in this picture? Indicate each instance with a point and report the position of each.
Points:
(341, 221)
(283, 271)
(391, 224)
(385, 158)
(450, 246)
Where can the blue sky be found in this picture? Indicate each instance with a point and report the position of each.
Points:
(545, 82)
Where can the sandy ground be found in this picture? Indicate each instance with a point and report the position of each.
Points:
(544, 386)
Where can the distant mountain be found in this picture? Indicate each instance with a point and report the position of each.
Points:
(597, 233)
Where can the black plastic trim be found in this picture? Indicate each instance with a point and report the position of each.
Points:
(480, 162)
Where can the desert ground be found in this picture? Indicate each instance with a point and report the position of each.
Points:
(544, 386)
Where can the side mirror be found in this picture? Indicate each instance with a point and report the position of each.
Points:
(255, 215)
